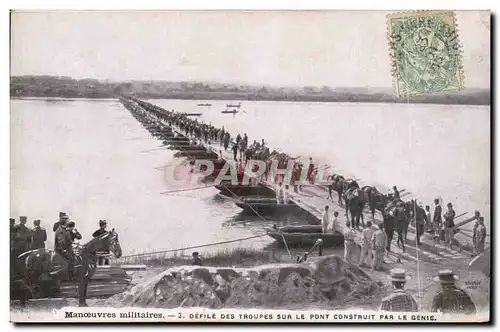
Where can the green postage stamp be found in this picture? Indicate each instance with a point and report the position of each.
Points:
(425, 52)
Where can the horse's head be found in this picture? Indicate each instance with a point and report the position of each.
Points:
(114, 244)
(107, 241)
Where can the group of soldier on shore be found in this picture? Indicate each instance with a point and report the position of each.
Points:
(23, 238)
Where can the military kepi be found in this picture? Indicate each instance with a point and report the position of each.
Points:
(446, 277)
(399, 275)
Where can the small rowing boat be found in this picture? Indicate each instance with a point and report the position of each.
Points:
(234, 105)
(305, 236)
(204, 104)
(229, 112)
(192, 114)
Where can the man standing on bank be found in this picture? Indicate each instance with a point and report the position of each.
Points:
(22, 237)
(366, 245)
(102, 229)
(451, 299)
(420, 221)
(379, 244)
(479, 237)
(399, 300)
(449, 225)
(325, 221)
(437, 218)
(39, 236)
(349, 243)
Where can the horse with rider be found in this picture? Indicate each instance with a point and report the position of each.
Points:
(38, 272)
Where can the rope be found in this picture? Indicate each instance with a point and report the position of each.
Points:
(191, 247)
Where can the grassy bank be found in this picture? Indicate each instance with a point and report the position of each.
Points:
(239, 257)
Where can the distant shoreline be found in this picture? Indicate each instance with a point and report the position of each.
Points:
(56, 87)
(302, 100)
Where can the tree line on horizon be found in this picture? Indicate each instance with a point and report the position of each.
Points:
(67, 87)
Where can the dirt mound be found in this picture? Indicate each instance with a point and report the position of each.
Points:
(280, 285)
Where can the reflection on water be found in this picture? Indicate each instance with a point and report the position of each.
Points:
(87, 158)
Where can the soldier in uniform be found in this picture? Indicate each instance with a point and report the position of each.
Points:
(479, 237)
(63, 218)
(99, 232)
(396, 192)
(39, 235)
(379, 244)
(399, 300)
(65, 235)
(196, 258)
(451, 299)
(420, 221)
(22, 237)
(366, 245)
(349, 242)
(437, 219)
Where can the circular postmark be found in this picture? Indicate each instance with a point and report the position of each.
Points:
(426, 53)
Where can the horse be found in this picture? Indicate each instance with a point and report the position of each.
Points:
(42, 262)
(376, 200)
(355, 203)
(339, 185)
(396, 218)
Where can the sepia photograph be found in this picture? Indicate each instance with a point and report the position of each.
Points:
(250, 166)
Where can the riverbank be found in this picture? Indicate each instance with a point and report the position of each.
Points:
(67, 87)
(421, 285)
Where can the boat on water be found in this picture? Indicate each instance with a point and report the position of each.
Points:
(229, 111)
(230, 190)
(187, 147)
(181, 143)
(204, 104)
(305, 236)
(198, 154)
(192, 114)
(234, 105)
(265, 206)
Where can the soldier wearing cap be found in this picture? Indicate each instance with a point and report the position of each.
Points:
(39, 235)
(451, 299)
(399, 300)
(63, 218)
(196, 258)
(102, 230)
(22, 236)
(63, 244)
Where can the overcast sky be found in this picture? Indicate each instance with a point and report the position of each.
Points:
(276, 48)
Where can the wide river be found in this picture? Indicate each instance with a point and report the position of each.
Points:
(86, 157)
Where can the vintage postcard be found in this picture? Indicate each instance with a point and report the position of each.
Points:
(250, 166)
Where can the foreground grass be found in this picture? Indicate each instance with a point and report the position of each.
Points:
(239, 257)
